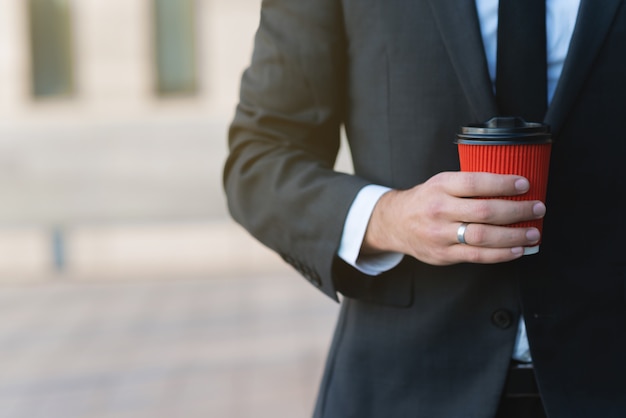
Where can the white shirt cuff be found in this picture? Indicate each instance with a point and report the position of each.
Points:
(354, 232)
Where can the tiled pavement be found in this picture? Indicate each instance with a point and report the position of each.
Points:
(124, 329)
(231, 347)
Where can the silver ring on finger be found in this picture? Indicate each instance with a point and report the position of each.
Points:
(460, 233)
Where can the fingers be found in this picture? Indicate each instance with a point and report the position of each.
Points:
(478, 255)
(487, 244)
(471, 184)
(498, 211)
(490, 236)
(454, 196)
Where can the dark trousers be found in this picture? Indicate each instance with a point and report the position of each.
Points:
(521, 396)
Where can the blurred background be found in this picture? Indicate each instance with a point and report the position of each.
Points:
(125, 289)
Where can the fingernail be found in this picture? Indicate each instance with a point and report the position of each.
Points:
(522, 185)
(539, 209)
(517, 251)
(533, 235)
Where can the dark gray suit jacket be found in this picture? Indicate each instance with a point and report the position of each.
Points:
(402, 76)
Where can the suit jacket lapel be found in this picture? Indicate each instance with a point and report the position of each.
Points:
(592, 25)
(460, 29)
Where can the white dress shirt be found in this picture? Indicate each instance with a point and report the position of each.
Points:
(560, 21)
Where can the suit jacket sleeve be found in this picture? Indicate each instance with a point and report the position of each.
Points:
(284, 139)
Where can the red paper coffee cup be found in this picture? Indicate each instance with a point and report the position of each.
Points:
(508, 145)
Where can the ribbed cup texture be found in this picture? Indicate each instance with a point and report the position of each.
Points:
(531, 161)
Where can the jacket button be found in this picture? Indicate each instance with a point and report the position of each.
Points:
(502, 318)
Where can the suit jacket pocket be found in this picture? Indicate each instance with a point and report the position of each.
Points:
(393, 288)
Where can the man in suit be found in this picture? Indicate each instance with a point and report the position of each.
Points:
(442, 315)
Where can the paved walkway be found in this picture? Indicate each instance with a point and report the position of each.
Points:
(237, 347)
(153, 314)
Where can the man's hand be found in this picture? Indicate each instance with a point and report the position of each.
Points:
(423, 221)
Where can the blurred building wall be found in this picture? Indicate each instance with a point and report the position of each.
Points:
(114, 66)
(114, 178)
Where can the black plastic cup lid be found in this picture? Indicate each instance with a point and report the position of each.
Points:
(505, 131)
